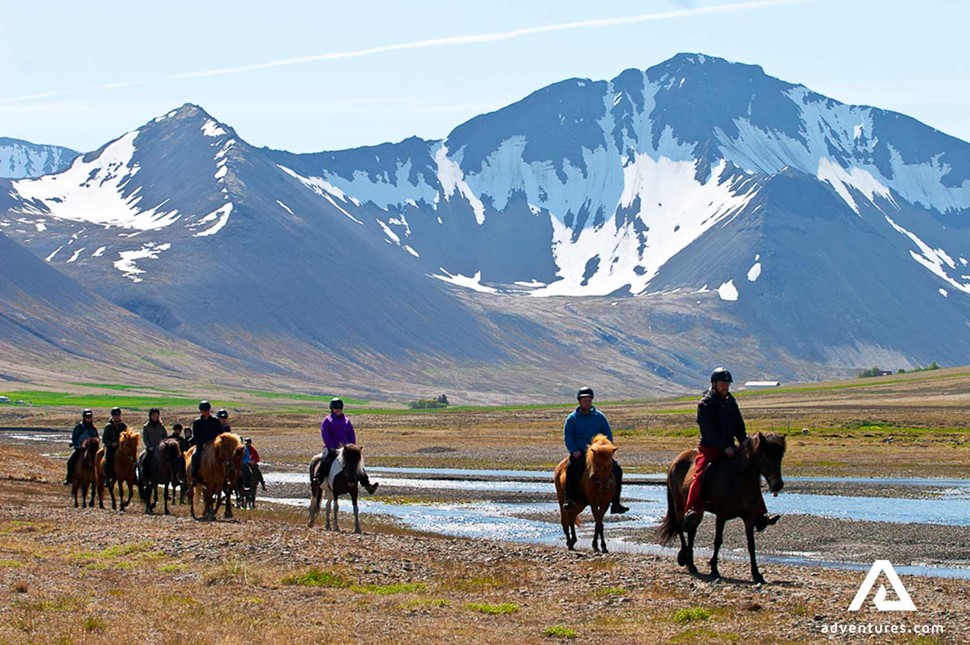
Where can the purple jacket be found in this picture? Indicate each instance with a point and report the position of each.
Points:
(337, 431)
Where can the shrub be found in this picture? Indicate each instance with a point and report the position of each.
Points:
(494, 610)
(560, 632)
(684, 616)
(316, 578)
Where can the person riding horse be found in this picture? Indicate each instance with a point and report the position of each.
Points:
(720, 422)
(251, 459)
(85, 429)
(204, 430)
(581, 426)
(184, 442)
(337, 430)
(152, 434)
(110, 436)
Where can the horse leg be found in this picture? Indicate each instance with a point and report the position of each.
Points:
(689, 556)
(353, 499)
(228, 503)
(315, 494)
(329, 503)
(111, 489)
(718, 539)
(567, 523)
(131, 490)
(74, 488)
(93, 491)
(167, 512)
(749, 533)
(336, 504)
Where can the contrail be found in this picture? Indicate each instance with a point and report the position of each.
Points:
(424, 44)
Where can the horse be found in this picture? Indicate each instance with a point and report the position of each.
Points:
(731, 488)
(341, 480)
(86, 474)
(219, 469)
(125, 460)
(598, 485)
(246, 488)
(164, 465)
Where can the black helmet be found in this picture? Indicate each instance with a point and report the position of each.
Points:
(584, 391)
(205, 405)
(87, 413)
(721, 374)
(336, 403)
(223, 414)
(177, 427)
(115, 411)
(247, 440)
(154, 411)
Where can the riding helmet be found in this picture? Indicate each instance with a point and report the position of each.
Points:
(87, 412)
(115, 411)
(721, 374)
(205, 405)
(223, 414)
(336, 403)
(584, 391)
(153, 411)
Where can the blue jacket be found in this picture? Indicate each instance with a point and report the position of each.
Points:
(81, 432)
(580, 429)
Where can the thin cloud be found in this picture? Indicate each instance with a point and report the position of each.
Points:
(434, 42)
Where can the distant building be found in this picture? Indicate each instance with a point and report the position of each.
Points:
(754, 385)
(4, 399)
(884, 373)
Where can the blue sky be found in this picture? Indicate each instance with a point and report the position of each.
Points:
(904, 56)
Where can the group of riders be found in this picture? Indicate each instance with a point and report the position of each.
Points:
(718, 418)
(720, 423)
(203, 430)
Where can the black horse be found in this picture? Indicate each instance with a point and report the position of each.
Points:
(731, 488)
(164, 465)
(246, 487)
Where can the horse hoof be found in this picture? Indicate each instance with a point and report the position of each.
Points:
(692, 570)
(759, 579)
(714, 578)
(682, 558)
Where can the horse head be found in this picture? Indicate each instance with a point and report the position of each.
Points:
(128, 446)
(90, 449)
(767, 451)
(599, 459)
(229, 450)
(351, 460)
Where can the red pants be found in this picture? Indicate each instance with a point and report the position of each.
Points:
(705, 456)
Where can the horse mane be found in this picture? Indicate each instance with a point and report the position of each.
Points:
(771, 444)
(128, 443)
(598, 449)
(225, 445)
(351, 449)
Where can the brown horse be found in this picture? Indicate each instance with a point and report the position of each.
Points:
(731, 488)
(125, 459)
(219, 469)
(597, 485)
(86, 473)
(341, 480)
(165, 466)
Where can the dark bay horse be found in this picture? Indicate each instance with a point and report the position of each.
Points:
(597, 485)
(246, 488)
(218, 471)
(86, 474)
(731, 488)
(341, 480)
(164, 466)
(125, 460)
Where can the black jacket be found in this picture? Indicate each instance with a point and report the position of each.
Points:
(720, 421)
(205, 430)
(112, 433)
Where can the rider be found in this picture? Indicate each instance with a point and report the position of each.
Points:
(336, 431)
(204, 430)
(581, 426)
(720, 424)
(177, 435)
(152, 434)
(251, 457)
(111, 436)
(84, 430)
(223, 416)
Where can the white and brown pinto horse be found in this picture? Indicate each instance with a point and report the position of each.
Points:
(342, 479)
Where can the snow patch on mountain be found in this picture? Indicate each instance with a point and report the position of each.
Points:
(211, 129)
(754, 272)
(220, 216)
(469, 282)
(932, 259)
(452, 179)
(126, 264)
(94, 191)
(727, 291)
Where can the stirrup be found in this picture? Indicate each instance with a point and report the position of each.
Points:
(692, 518)
(764, 521)
(372, 487)
(568, 504)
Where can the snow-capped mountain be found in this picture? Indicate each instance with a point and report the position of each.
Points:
(755, 223)
(19, 159)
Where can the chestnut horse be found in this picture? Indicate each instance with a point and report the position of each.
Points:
(86, 473)
(597, 485)
(341, 480)
(218, 471)
(165, 466)
(731, 488)
(125, 460)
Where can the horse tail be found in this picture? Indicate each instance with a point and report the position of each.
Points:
(670, 527)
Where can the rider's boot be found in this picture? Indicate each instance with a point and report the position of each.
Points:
(692, 518)
(764, 521)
